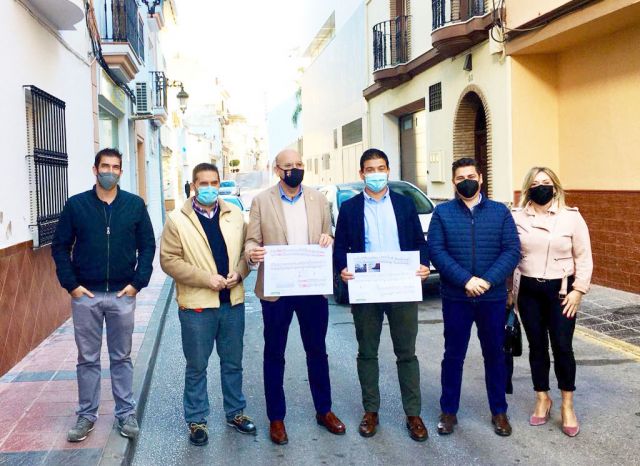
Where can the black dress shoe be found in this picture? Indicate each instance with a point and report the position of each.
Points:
(501, 425)
(242, 424)
(198, 434)
(447, 421)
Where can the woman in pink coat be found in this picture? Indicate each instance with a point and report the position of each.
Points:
(553, 274)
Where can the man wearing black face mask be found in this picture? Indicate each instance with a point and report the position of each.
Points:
(111, 237)
(474, 244)
(290, 213)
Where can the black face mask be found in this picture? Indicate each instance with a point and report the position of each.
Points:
(293, 177)
(468, 188)
(541, 194)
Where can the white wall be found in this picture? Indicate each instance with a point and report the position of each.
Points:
(491, 76)
(33, 56)
(332, 96)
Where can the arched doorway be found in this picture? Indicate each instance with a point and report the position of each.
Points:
(472, 134)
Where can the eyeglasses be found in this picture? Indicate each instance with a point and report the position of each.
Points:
(290, 166)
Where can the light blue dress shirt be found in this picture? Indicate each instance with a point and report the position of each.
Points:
(380, 227)
(290, 200)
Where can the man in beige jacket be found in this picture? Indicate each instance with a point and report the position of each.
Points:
(202, 250)
(290, 213)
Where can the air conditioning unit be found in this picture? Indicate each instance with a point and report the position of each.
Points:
(143, 99)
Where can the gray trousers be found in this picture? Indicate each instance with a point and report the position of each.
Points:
(88, 317)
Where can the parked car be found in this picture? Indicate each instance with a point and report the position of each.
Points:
(229, 187)
(235, 200)
(336, 194)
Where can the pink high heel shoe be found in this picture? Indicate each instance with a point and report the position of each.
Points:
(540, 421)
(570, 431)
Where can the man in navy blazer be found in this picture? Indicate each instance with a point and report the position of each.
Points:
(380, 220)
(473, 242)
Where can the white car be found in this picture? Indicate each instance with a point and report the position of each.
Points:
(229, 187)
(336, 194)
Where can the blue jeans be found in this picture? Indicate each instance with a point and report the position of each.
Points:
(458, 317)
(200, 330)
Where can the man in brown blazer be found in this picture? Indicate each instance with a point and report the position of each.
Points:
(290, 213)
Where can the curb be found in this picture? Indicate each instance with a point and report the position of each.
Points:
(119, 450)
(608, 341)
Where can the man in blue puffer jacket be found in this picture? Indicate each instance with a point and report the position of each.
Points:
(473, 242)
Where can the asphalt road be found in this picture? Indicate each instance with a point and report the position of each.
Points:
(607, 404)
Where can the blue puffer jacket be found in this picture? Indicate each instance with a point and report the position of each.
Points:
(483, 243)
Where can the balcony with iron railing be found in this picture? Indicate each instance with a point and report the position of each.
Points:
(391, 43)
(122, 35)
(459, 24)
(159, 96)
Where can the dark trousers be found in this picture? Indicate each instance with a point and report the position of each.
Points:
(403, 326)
(313, 317)
(540, 311)
(489, 317)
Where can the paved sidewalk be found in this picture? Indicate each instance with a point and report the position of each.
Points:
(612, 314)
(39, 395)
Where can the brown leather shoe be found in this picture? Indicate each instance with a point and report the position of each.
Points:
(417, 430)
(332, 423)
(278, 433)
(447, 421)
(501, 425)
(369, 424)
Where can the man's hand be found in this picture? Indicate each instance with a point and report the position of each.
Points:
(346, 275)
(127, 290)
(325, 240)
(423, 272)
(256, 255)
(571, 304)
(233, 279)
(217, 282)
(80, 291)
(476, 287)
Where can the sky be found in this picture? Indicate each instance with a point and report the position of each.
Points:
(251, 45)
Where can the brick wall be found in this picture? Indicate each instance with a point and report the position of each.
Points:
(32, 303)
(614, 227)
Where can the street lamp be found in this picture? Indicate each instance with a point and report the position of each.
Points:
(182, 95)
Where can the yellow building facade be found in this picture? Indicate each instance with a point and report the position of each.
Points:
(575, 93)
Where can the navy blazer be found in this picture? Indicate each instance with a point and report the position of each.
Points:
(349, 236)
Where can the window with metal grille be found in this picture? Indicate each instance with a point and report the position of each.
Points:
(435, 97)
(47, 162)
(326, 162)
(352, 132)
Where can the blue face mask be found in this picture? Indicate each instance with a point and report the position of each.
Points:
(207, 195)
(376, 182)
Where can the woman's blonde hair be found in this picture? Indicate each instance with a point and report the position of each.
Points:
(559, 196)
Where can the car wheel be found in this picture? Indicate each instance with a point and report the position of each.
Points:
(340, 290)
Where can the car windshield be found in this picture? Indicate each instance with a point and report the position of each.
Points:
(227, 184)
(422, 202)
(234, 201)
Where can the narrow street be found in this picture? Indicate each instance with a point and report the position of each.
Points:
(607, 404)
